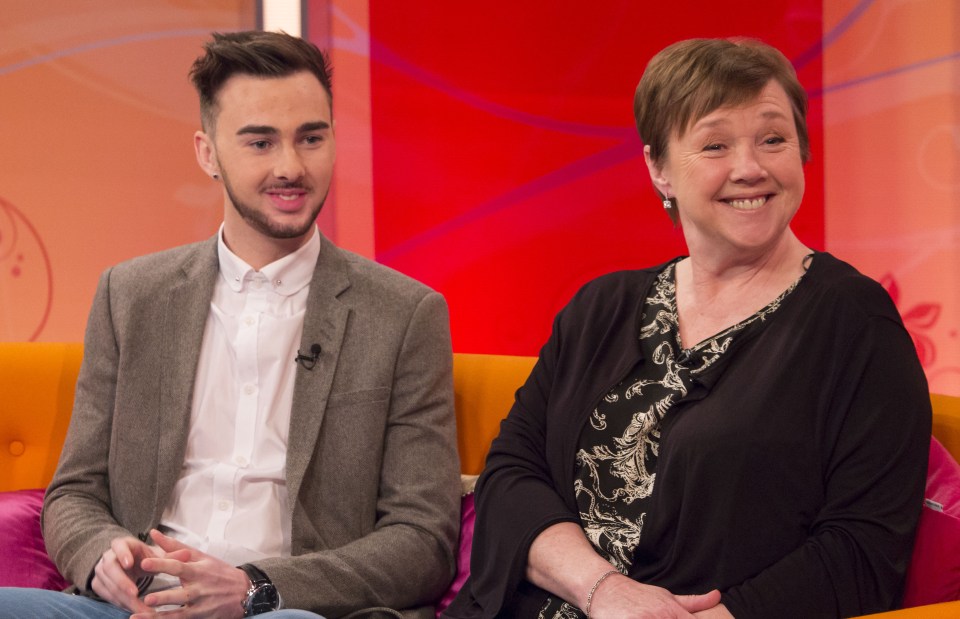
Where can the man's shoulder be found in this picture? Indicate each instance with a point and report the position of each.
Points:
(369, 276)
(162, 264)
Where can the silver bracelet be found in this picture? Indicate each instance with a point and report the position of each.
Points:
(593, 589)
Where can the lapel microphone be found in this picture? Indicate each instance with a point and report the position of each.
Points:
(308, 361)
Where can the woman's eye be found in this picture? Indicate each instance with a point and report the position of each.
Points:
(775, 139)
(713, 147)
(260, 144)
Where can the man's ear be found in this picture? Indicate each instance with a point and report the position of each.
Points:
(206, 154)
(660, 181)
(333, 136)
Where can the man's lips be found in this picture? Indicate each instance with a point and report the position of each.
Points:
(287, 199)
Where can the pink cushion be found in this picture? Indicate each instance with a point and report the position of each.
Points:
(23, 558)
(934, 572)
(467, 516)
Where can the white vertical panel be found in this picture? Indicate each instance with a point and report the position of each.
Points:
(283, 15)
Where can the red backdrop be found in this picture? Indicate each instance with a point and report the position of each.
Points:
(506, 168)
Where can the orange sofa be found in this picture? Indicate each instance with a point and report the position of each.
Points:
(36, 397)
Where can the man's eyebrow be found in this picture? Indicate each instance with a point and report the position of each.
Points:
(318, 125)
(257, 130)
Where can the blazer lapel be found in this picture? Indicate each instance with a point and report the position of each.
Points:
(324, 323)
(187, 309)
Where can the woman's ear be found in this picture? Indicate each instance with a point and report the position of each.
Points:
(657, 177)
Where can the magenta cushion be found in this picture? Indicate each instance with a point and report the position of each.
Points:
(467, 516)
(23, 558)
(934, 572)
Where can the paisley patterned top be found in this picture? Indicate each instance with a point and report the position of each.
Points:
(618, 447)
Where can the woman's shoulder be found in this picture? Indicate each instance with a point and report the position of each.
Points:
(627, 282)
(613, 298)
(841, 283)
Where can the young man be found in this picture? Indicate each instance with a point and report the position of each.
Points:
(259, 416)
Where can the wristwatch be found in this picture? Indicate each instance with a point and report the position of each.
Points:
(262, 596)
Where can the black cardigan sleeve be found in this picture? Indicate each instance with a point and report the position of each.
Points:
(516, 497)
(527, 483)
(860, 542)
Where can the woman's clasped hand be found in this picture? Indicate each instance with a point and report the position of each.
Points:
(623, 598)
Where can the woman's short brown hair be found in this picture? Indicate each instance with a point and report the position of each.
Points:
(689, 79)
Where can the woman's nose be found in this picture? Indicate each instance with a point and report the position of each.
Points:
(747, 166)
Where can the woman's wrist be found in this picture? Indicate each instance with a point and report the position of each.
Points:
(593, 590)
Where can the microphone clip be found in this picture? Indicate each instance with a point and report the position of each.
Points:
(308, 362)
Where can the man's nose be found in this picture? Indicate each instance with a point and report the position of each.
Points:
(288, 165)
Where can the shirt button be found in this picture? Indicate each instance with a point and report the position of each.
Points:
(249, 389)
(223, 505)
(249, 321)
(241, 461)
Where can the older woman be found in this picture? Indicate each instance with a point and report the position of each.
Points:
(740, 432)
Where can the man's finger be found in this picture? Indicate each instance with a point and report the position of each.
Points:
(176, 596)
(117, 594)
(114, 578)
(121, 549)
(166, 565)
(167, 543)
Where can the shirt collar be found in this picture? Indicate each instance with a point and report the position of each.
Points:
(287, 276)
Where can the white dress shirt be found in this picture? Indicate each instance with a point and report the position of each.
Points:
(231, 498)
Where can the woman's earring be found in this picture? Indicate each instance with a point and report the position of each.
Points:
(216, 176)
(667, 203)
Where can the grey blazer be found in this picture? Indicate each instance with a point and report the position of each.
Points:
(372, 467)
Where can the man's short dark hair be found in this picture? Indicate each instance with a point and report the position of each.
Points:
(255, 53)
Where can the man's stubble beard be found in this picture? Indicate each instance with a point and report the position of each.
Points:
(262, 223)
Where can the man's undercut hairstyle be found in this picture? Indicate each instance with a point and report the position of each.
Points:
(692, 78)
(255, 53)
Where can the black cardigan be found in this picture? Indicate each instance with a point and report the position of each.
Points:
(791, 480)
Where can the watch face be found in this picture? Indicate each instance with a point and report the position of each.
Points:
(263, 599)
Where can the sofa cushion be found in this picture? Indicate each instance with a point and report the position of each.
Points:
(23, 557)
(934, 572)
